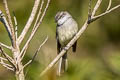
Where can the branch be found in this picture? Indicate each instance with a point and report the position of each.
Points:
(110, 3)
(41, 19)
(96, 7)
(28, 41)
(89, 12)
(8, 47)
(38, 16)
(16, 25)
(5, 22)
(35, 30)
(29, 22)
(9, 67)
(37, 49)
(10, 23)
(75, 38)
(1, 58)
(103, 14)
(9, 59)
(8, 13)
(31, 61)
(25, 65)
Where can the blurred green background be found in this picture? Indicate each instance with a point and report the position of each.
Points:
(98, 49)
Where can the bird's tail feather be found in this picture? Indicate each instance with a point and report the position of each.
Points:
(63, 64)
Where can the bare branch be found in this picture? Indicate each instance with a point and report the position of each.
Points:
(29, 22)
(16, 25)
(8, 13)
(9, 67)
(4, 21)
(10, 22)
(25, 65)
(89, 12)
(36, 28)
(110, 2)
(103, 14)
(23, 53)
(10, 60)
(41, 19)
(96, 7)
(29, 62)
(1, 58)
(38, 16)
(8, 47)
(37, 49)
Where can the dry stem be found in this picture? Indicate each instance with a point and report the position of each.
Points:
(29, 22)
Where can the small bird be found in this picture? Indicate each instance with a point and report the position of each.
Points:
(66, 29)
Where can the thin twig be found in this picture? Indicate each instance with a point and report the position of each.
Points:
(35, 30)
(10, 22)
(110, 2)
(37, 49)
(6, 56)
(16, 25)
(89, 12)
(1, 58)
(8, 47)
(5, 22)
(29, 62)
(41, 19)
(9, 67)
(29, 22)
(25, 65)
(10, 60)
(22, 56)
(8, 13)
(38, 16)
(34, 27)
(96, 7)
(103, 14)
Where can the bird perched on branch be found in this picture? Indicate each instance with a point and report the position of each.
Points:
(66, 29)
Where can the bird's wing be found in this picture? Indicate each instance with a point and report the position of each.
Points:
(74, 46)
(58, 43)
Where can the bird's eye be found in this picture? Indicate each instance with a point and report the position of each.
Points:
(62, 15)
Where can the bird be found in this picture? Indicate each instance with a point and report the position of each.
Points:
(66, 29)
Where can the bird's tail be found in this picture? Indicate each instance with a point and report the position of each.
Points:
(63, 64)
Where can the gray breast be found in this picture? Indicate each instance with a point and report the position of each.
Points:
(67, 31)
